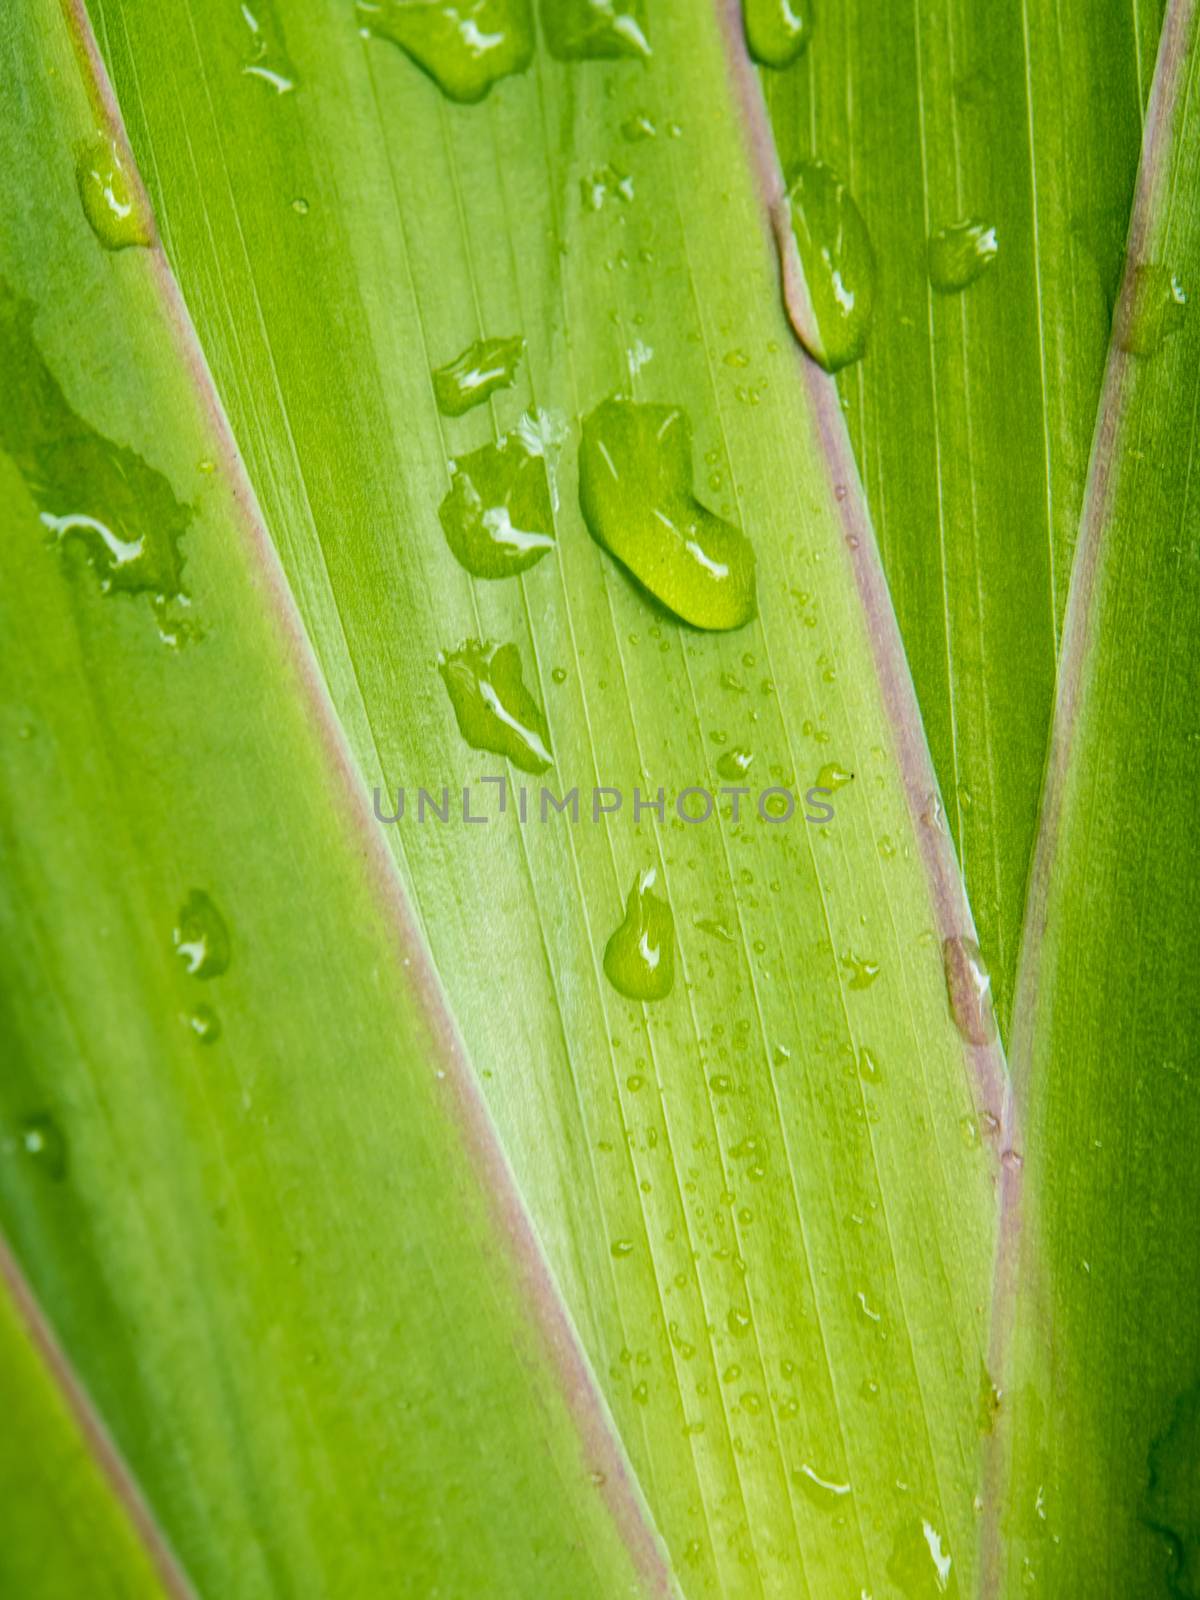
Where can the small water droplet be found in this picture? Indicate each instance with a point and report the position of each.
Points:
(961, 253)
(112, 199)
(639, 958)
(920, 1564)
(734, 764)
(862, 971)
(833, 777)
(559, 675)
(637, 128)
(969, 989)
(204, 1024)
(41, 1140)
(1152, 308)
(1012, 1160)
(465, 48)
(604, 184)
(641, 1393)
(477, 372)
(492, 706)
(201, 937)
(622, 1247)
(823, 1491)
(714, 929)
(839, 266)
(92, 495)
(300, 206)
(497, 516)
(778, 31)
(868, 1066)
(738, 1321)
(595, 30)
(635, 490)
(969, 1128)
(268, 61)
(751, 1403)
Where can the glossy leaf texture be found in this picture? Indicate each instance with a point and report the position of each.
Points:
(767, 1196)
(990, 150)
(1102, 1432)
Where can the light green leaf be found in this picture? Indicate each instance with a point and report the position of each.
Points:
(1103, 1444)
(991, 149)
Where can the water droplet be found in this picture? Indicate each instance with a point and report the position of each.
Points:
(589, 30)
(777, 31)
(862, 972)
(969, 1129)
(637, 128)
(465, 46)
(1171, 1505)
(639, 958)
(735, 763)
(268, 60)
(635, 490)
(300, 206)
(559, 675)
(827, 1493)
(641, 1393)
(41, 1139)
(622, 1247)
(920, 1564)
(112, 199)
(204, 1024)
(605, 183)
(751, 1402)
(92, 495)
(494, 709)
(833, 777)
(714, 929)
(838, 262)
(497, 516)
(201, 937)
(476, 373)
(868, 1066)
(1152, 308)
(738, 1321)
(969, 989)
(960, 253)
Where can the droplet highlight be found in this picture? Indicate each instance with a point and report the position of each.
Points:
(92, 496)
(969, 990)
(639, 958)
(961, 253)
(497, 517)
(465, 46)
(777, 31)
(635, 490)
(201, 937)
(42, 1142)
(1154, 307)
(838, 260)
(112, 199)
(475, 374)
(493, 708)
(595, 30)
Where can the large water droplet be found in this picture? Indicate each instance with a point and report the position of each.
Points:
(639, 958)
(578, 30)
(825, 1492)
(481, 369)
(1155, 306)
(41, 1140)
(839, 265)
(92, 495)
(494, 709)
(465, 46)
(268, 61)
(201, 937)
(635, 489)
(969, 988)
(960, 253)
(920, 1564)
(497, 517)
(112, 199)
(778, 31)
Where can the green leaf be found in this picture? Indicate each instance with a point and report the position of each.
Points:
(991, 150)
(1105, 1352)
(763, 1198)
